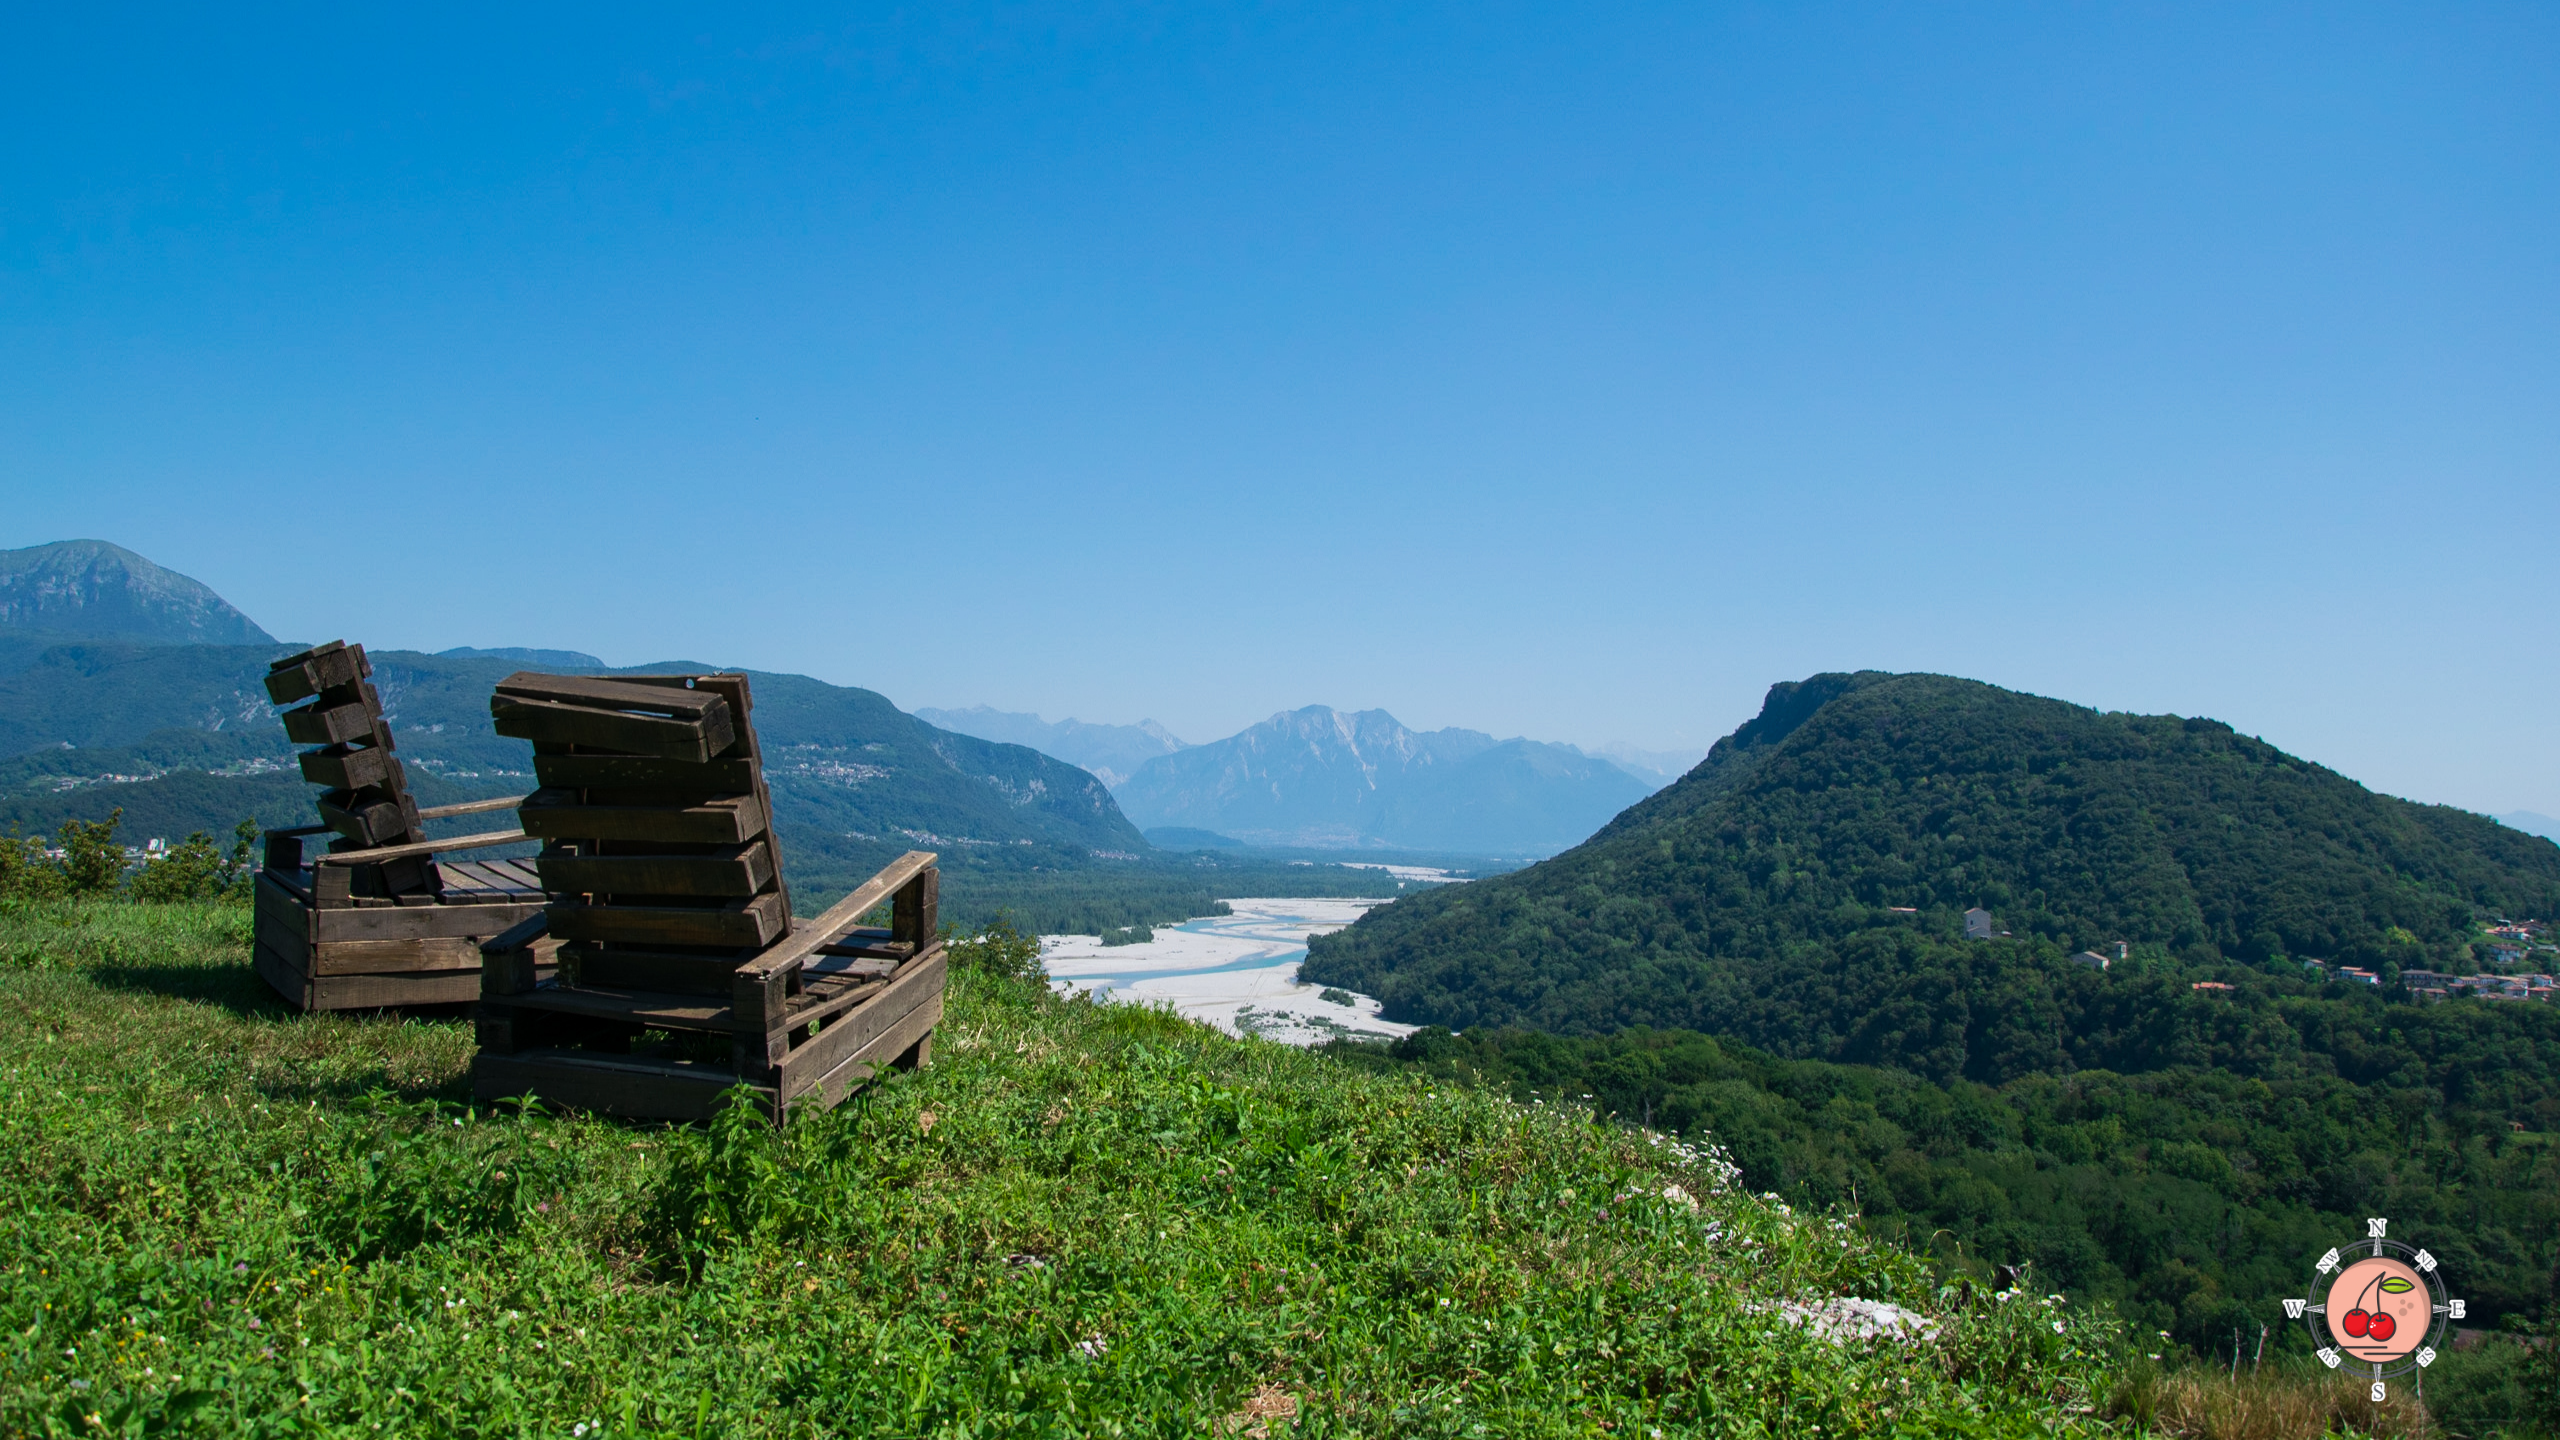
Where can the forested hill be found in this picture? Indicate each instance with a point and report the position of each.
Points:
(1803, 888)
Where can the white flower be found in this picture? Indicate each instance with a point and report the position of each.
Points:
(2057, 1327)
(578, 1429)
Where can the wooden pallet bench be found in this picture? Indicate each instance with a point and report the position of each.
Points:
(376, 920)
(682, 973)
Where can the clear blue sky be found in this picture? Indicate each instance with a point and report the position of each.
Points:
(1564, 371)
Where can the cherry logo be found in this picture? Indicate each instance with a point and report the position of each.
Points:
(2377, 1323)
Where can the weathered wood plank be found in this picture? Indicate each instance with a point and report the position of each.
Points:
(915, 910)
(738, 870)
(371, 992)
(636, 1007)
(758, 921)
(375, 855)
(349, 767)
(471, 807)
(419, 922)
(470, 879)
(855, 960)
(384, 957)
(595, 691)
(610, 1085)
(520, 871)
(720, 776)
(666, 737)
(659, 970)
(365, 816)
(330, 725)
(299, 677)
(555, 815)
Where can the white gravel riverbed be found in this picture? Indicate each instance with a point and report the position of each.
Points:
(1238, 972)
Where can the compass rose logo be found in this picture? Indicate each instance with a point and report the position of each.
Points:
(2377, 1304)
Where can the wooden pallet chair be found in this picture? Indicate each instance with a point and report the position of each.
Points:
(682, 973)
(375, 920)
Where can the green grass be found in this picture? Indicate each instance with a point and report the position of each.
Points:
(219, 1218)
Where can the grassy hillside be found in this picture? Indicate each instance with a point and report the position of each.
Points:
(1802, 888)
(219, 1219)
(2190, 1198)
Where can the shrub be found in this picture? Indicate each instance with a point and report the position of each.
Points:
(999, 948)
(197, 870)
(91, 862)
(92, 858)
(25, 873)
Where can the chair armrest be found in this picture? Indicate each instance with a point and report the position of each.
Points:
(471, 807)
(523, 933)
(380, 853)
(761, 987)
(507, 960)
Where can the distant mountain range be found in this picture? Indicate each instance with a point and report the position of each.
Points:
(1656, 767)
(560, 661)
(2532, 824)
(124, 685)
(1330, 778)
(1327, 779)
(183, 734)
(1112, 752)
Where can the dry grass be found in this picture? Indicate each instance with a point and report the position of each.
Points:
(2272, 1405)
(1267, 1404)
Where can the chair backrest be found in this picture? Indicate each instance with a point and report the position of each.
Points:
(368, 800)
(659, 857)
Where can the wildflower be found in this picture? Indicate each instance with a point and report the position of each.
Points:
(240, 1269)
(2057, 1327)
(1093, 1346)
